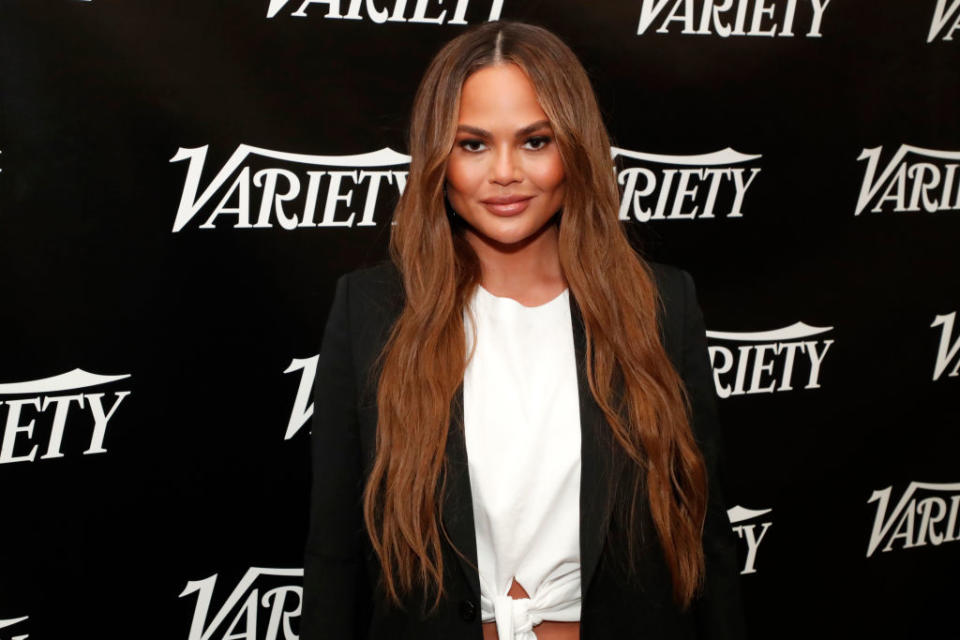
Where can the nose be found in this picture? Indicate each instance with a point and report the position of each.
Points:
(506, 168)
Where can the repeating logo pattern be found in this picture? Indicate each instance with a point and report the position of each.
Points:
(73, 414)
(302, 406)
(925, 514)
(262, 606)
(945, 22)
(726, 18)
(10, 622)
(57, 401)
(677, 187)
(348, 187)
(417, 11)
(751, 527)
(914, 179)
(767, 361)
(948, 351)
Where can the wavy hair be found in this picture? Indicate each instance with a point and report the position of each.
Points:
(424, 359)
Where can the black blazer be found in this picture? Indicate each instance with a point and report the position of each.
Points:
(340, 601)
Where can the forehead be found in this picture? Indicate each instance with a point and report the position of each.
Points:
(499, 93)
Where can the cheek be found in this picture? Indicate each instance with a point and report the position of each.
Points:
(548, 174)
(463, 176)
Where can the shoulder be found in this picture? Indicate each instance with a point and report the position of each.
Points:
(382, 273)
(366, 303)
(673, 283)
(681, 320)
(377, 285)
(677, 291)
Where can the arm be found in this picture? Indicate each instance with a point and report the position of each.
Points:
(718, 611)
(333, 572)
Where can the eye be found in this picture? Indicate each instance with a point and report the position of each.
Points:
(539, 142)
(471, 144)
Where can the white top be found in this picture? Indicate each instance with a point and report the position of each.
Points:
(522, 427)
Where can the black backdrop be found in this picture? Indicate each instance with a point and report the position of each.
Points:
(159, 490)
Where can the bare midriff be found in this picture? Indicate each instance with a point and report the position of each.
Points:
(546, 630)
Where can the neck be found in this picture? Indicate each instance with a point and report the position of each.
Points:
(528, 271)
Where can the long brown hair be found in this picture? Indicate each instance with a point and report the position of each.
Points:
(424, 359)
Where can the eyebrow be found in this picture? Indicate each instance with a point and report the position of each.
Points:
(483, 133)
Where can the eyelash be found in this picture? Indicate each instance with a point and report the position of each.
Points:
(544, 139)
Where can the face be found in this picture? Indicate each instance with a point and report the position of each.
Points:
(504, 174)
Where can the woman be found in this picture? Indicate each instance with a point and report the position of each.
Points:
(515, 432)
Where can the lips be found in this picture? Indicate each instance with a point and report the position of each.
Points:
(507, 205)
(505, 199)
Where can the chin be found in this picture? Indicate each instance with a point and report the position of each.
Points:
(515, 234)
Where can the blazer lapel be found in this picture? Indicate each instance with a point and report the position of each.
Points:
(458, 498)
(595, 476)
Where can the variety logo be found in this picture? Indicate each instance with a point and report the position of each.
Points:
(752, 532)
(914, 179)
(725, 18)
(670, 187)
(369, 10)
(773, 359)
(366, 176)
(946, 20)
(41, 395)
(916, 521)
(240, 615)
(11, 622)
(302, 407)
(946, 352)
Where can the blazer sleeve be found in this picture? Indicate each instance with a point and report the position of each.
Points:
(718, 610)
(333, 572)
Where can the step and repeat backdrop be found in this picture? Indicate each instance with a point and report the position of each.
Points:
(182, 182)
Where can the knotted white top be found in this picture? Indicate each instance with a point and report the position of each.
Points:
(522, 427)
